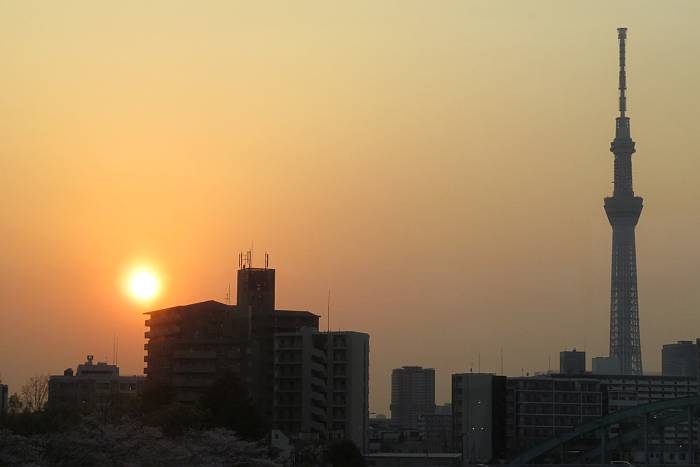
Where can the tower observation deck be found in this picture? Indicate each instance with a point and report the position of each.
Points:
(623, 209)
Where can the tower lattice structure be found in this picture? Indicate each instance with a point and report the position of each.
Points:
(623, 209)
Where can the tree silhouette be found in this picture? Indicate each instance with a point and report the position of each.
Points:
(228, 405)
(35, 393)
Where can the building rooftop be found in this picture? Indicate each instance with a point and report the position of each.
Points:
(214, 305)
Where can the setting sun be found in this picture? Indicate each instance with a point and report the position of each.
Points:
(143, 285)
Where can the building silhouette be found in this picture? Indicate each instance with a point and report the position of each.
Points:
(93, 386)
(543, 407)
(479, 416)
(191, 346)
(623, 209)
(412, 395)
(572, 362)
(680, 359)
(321, 385)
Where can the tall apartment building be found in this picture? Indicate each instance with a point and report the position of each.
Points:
(191, 346)
(680, 359)
(93, 386)
(478, 416)
(412, 395)
(321, 385)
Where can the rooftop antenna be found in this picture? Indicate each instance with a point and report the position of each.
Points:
(328, 311)
(228, 294)
(267, 260)
(501, 361)
(117, 354)
(114, 349)
(479, 362)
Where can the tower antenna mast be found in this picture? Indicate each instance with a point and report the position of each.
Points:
(622, 37)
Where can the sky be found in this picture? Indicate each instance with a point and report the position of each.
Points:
(440, 166)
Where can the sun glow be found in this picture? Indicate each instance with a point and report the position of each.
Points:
(143, 285)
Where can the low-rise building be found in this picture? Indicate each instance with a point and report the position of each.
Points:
(321, 385)
(543, 407)
(425, 459)
(436, 432)
(92, 386)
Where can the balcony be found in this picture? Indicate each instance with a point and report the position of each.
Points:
(195, 354)
(147, 334)
(145, 346)
(202, 368)
(185, 381)
(145, 358)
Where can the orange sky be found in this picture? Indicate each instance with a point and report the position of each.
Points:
(441, 166)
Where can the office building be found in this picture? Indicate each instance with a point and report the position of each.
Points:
(93, 386)
(412, 395)
(680, 359)
(572, 362)
(191, 346)
(478, 416)
(321, 385)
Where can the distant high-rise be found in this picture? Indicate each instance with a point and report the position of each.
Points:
(572, 362)
(479, 416)
(680, 359)
(412, 395)
(623, 209)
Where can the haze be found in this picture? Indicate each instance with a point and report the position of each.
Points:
(440, 166)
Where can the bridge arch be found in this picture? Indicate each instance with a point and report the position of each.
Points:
(601, 424)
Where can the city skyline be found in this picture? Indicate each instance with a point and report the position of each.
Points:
(445, 184)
